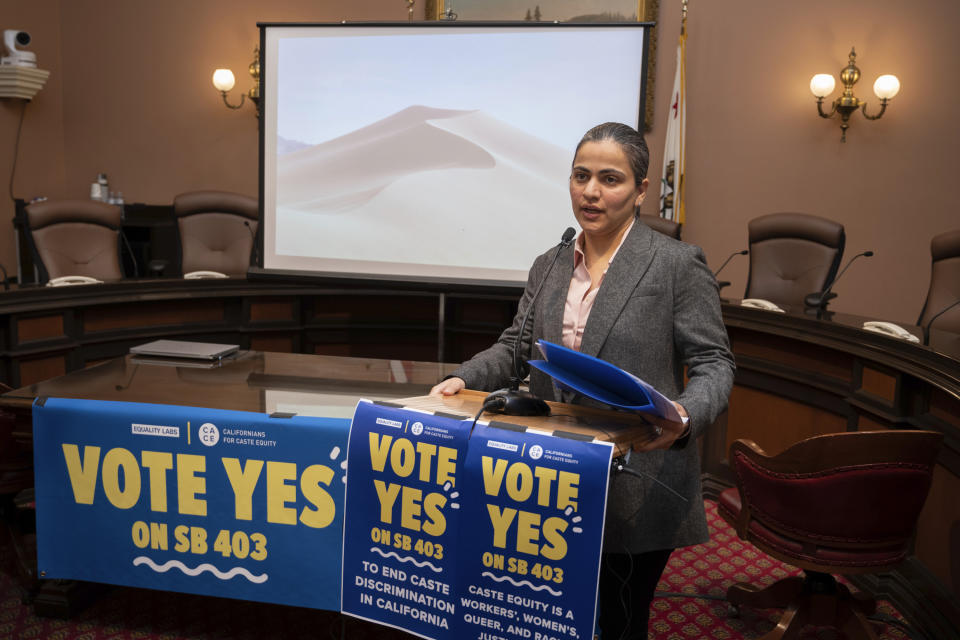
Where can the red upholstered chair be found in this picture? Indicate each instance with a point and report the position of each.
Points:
(842, 503)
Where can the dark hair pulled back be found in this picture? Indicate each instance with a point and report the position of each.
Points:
(630, 140)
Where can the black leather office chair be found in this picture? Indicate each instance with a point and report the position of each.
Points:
(944, 288)
(792, 255)
(78, 238)
(217, 231)
(664, 226)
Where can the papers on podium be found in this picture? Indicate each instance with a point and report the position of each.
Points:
(602, 381)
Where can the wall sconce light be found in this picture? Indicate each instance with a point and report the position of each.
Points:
(822, 84)
(224, 81)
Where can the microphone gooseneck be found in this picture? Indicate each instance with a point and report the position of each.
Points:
(512, 401)
(729, 258)
(818, 300)
(129, 381)
(724, 283)
(253, 236)
(565, 241)
(926, 327)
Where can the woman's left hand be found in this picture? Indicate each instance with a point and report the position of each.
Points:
(669, 431)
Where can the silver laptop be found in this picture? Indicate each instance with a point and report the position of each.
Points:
(184, 349)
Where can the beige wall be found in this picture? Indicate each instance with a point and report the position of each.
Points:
(150, 117)
(755, 144)
(130, 95)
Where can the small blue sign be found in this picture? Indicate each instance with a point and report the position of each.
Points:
(403, 513)
(528, 563)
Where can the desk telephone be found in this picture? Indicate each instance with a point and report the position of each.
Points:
(198, 275)
(760, 303)
(64, 281)
(890, 329)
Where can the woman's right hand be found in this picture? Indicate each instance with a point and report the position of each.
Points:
(448, 387)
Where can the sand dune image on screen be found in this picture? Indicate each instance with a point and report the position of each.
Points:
(369, 184)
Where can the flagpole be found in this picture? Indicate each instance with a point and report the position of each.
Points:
(672, 205)
(680, 214)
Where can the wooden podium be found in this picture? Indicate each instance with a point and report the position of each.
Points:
(624, 430)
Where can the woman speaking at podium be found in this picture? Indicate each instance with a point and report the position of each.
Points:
(648, 304)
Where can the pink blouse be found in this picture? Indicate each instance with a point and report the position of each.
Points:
(580, 297)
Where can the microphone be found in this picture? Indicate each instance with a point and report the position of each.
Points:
(729, 258)
(819, 300)
(725, 262)
(926, 327)
(512, 401)
(256, 249)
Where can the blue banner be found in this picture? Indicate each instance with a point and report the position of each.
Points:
(529, 561)
(403, 512)
(204, 501)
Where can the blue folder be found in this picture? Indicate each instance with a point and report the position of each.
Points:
(600, 380)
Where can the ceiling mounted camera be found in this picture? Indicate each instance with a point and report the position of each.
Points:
(15, 57)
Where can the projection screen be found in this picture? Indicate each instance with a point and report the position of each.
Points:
(433, 152)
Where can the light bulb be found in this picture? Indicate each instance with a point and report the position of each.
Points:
(223, 79)
(822, 85)
(886, 87)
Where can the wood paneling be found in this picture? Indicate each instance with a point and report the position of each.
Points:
(482, 312)
(268, 310)
(40, 369)
(866, 423)
(275, 344)
(879, 384)
(938, 532)
(40, 328)
(327, 349)
(796, 355)
(153, 314)
(775, 422)
(945, 407)
(377, 308)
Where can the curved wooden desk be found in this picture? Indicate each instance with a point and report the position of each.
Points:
(798, 375)
(46, 332)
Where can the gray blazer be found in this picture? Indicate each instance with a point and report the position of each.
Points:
(657, 311)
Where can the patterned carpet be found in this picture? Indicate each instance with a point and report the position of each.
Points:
(135, 614)
(708, 570)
